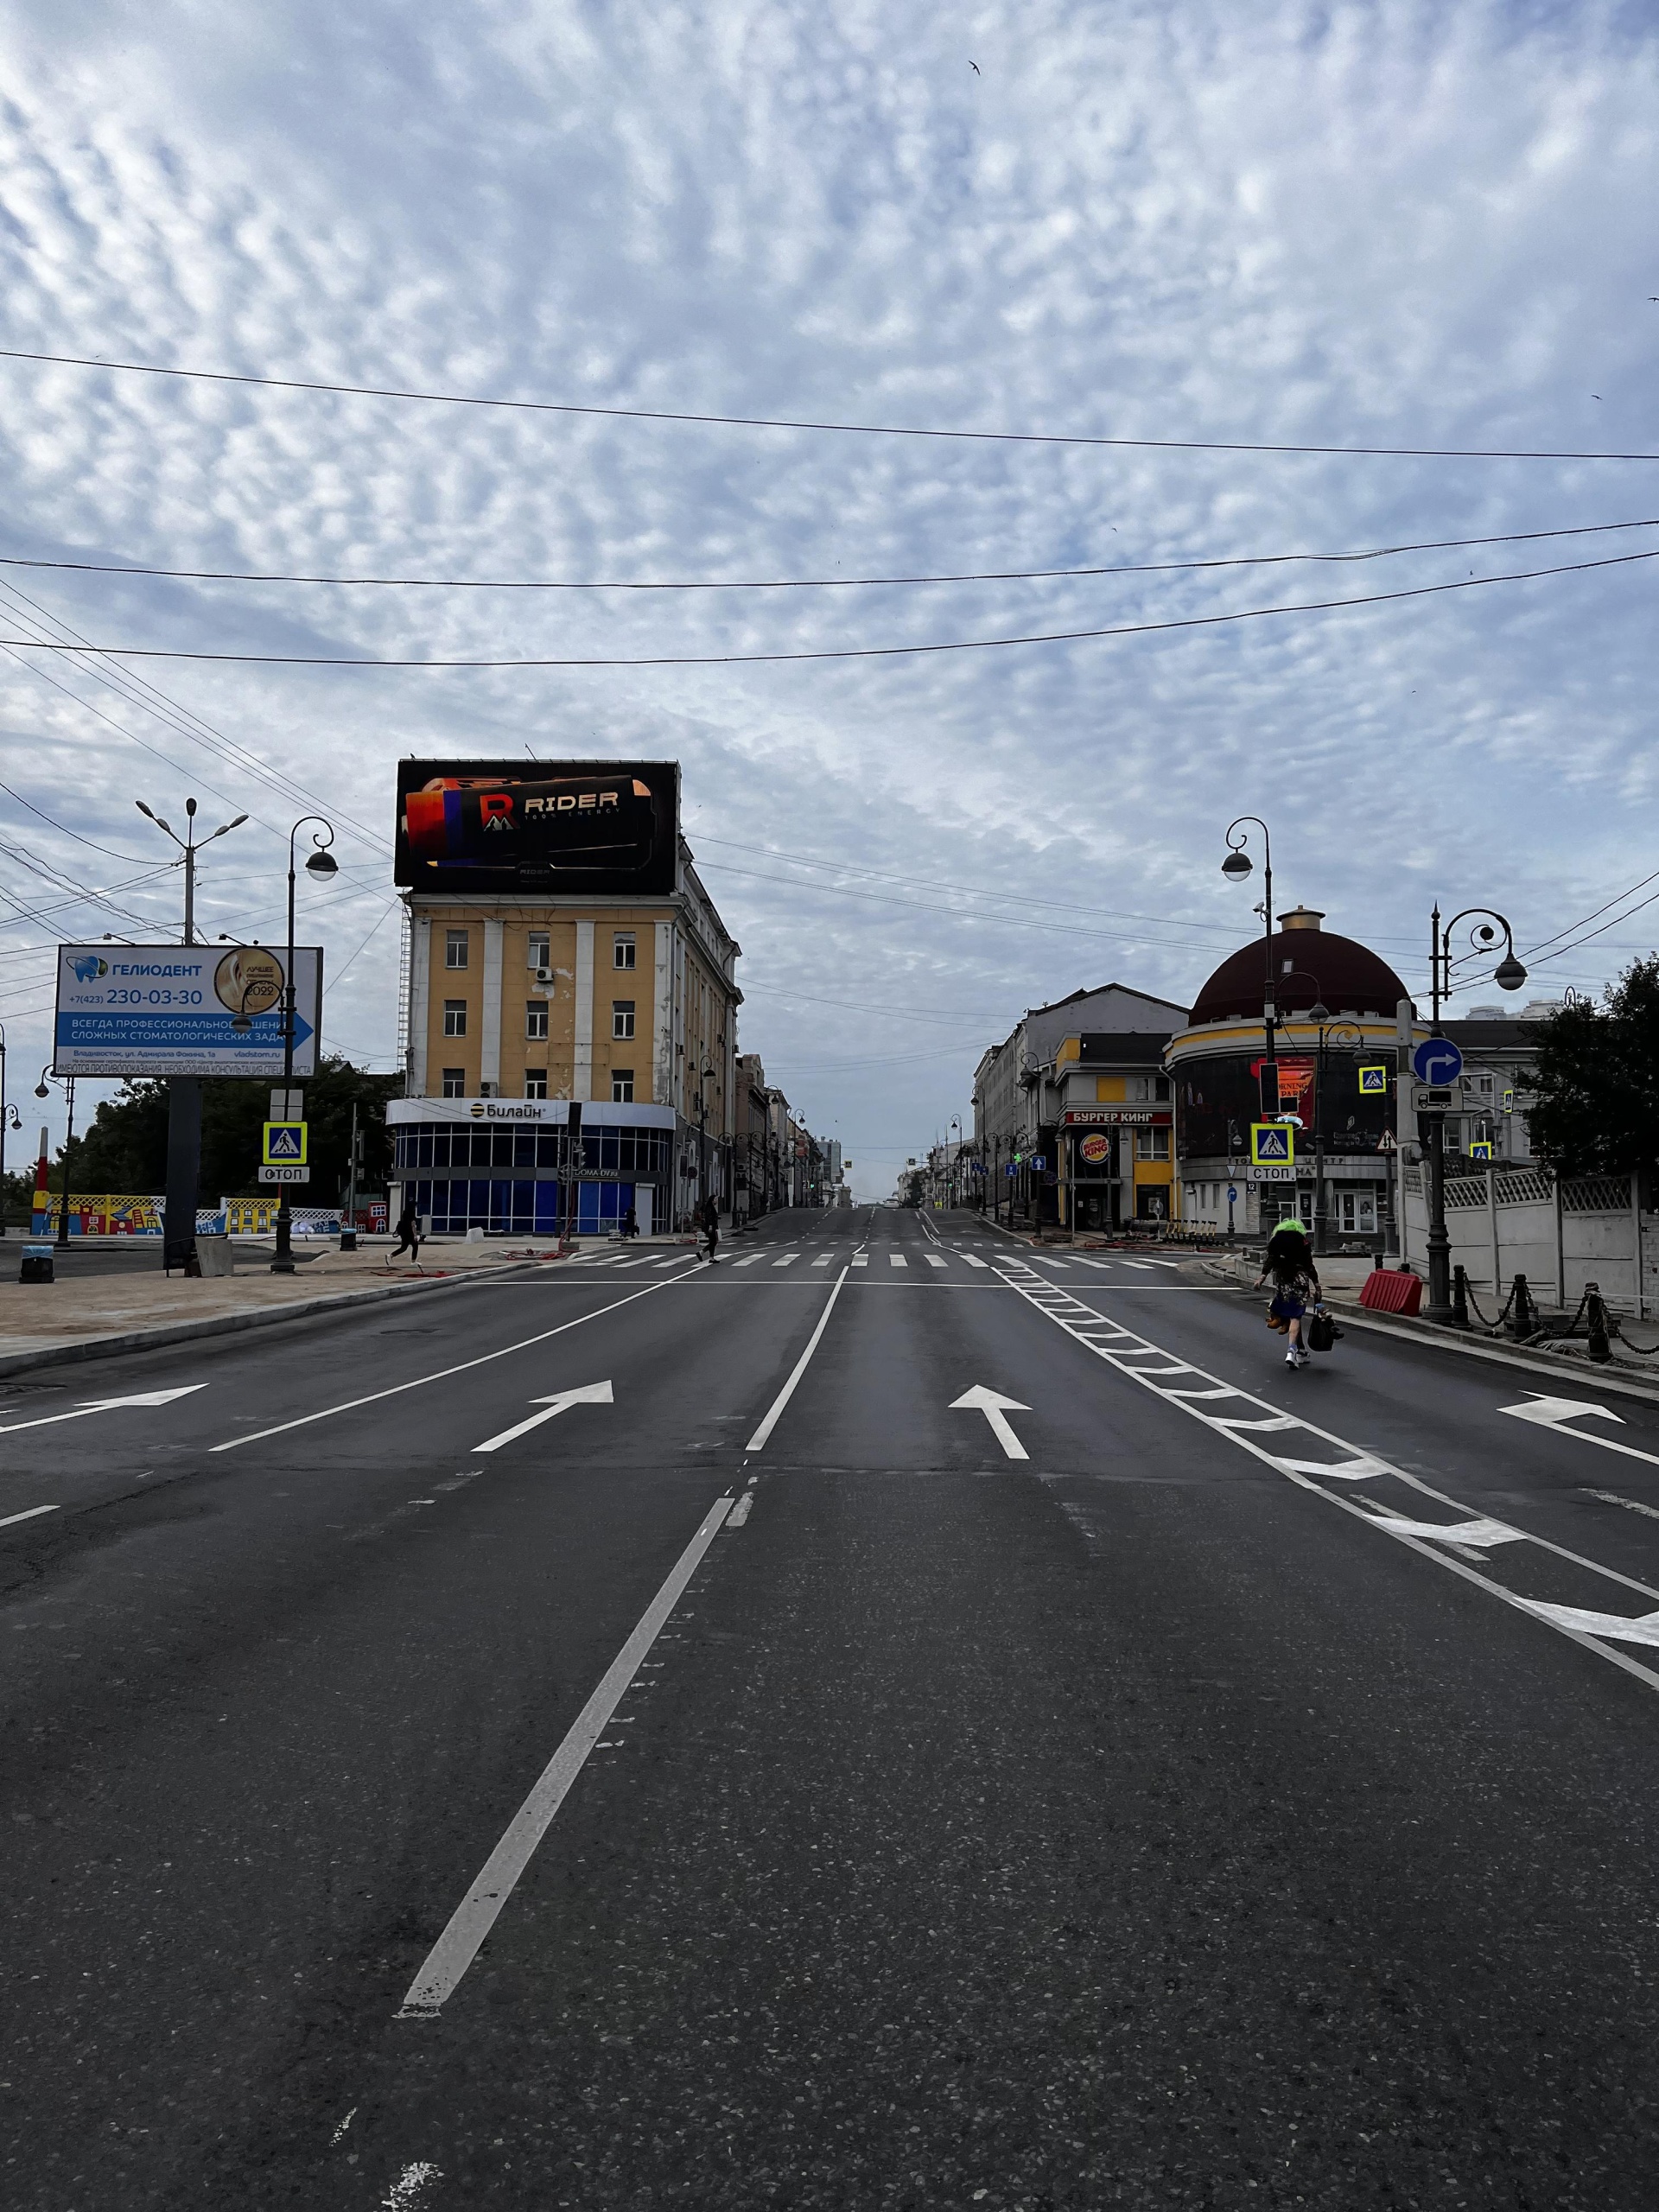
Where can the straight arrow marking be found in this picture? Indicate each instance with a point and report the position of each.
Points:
(996, 1410)
(106, 1406)
(588, 1394)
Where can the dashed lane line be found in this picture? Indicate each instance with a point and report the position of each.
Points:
(476, 1914)
(1318, 1456)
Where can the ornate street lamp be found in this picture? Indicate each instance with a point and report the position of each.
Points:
(1508, 975)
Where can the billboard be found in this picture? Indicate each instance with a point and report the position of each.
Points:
(606, 827)
(173, 1009)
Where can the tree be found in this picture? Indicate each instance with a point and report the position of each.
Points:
(1596, 1080)
(125, 1147)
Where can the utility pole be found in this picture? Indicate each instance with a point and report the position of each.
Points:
(321, 863)
(184, 1091)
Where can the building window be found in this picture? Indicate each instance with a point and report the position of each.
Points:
(536, 1018)
(622, 952)
(455, 948)
(1356, 1213)
(454, 1082)
(454, 1017)
(621, 1086)
(1152, 1144)
(621, 1017)
(535, 1082)
(540, 952)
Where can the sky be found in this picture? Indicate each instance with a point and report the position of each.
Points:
(1188, 224)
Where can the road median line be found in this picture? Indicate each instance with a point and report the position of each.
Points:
(757, 1442)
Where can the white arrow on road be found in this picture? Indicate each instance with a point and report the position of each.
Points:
(1556, 1413)
(996, 1410)
(589, 1394)
(106, 1406)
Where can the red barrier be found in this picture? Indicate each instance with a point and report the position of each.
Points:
(1388, 1291)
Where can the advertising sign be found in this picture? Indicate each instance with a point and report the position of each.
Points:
(173, 1009)
(610, 828)
(1095, 1149)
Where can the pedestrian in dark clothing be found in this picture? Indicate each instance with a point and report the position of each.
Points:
(711, 1227)
(408, 1232)
(629, 1224)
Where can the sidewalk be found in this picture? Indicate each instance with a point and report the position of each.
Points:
(46, 1324)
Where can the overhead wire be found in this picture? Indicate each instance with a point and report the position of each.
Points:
(830, 428)
(839, 652)
(822, 583)
(63, 828)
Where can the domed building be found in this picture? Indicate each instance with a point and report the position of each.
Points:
(1335, 1007)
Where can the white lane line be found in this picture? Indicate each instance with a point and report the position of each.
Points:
(350, 1405)
(476, 1914)
(757, 1440)
(897, 1260)
(28, 1516)
(788, 1260)
(934, 1260)
(740, 1512)
(1607, 1497)
(1123, 1350)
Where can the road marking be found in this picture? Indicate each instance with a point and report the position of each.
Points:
(788, 1260)
(757, 1440)
(971, 1261)
(1476, 1534)
(740, 1512)
(996, 1410)
(1137, 1263)
(1556, 1413)
(410, 2185)
(28, 1516)
(934, 1260)
(1630, 1505)
(589, 1394)
(1121, 1348)
(441, 1374)
(476, 1914)
(673, 1259)
(750, 1260)
(897, 1260)
(822, 1260)
(860, 1259)
(1642, 1630)
(106, 1406)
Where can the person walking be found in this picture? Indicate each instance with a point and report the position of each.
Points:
(409, 1231)
(711, 1227)
(1288, 1265)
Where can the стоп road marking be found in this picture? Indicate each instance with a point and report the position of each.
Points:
(350, 1405)
(476, 1914)
(757, 1440)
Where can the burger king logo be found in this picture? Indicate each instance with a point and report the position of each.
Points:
(1096, 1148)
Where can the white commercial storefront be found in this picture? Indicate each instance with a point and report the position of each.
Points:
(531, 1166)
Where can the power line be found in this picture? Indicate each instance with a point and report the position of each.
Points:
(822, 583)
(108, 851)
(839, 652)
(789, 422)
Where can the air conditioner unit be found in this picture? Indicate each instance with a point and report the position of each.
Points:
(545, 976)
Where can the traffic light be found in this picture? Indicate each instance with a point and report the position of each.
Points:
(1270, 1071)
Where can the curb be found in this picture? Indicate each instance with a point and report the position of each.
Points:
(1431, 1336)
(224, 1325)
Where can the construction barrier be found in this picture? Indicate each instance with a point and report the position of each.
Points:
(1388, 1290)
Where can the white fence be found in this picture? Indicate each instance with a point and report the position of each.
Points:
(1561, 1233)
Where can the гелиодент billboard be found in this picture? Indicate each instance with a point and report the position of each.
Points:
(183, 1010)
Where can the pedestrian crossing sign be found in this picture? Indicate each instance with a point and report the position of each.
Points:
(1481, 1149)
(284, 1144)
(1373, 1083)
(1272, 1144)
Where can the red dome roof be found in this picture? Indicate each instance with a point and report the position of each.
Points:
(1309, 963)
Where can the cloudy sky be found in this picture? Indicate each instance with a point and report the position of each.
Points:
(1388, 225)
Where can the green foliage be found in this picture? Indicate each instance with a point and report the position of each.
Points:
(1596, 1080)
(125, 1147)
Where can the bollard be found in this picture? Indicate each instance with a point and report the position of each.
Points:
(1601, 1350)
(1523, 1314)
(36, 1264)
(1459, 1299)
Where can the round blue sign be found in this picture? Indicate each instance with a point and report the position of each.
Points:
(1438, 1060)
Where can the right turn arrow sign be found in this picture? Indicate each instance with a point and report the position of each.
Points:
(996, 1409)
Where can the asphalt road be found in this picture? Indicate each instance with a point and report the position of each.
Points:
(1166, 1816)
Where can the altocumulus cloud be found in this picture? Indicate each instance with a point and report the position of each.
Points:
(1379, 224)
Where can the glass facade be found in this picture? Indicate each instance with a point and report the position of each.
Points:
(513, 1181)
(520, 1208)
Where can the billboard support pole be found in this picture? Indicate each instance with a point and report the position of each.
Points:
(320, 862)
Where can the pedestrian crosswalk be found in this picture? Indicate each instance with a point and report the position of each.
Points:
(913, 1263)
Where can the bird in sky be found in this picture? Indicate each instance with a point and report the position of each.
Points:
(974, 66)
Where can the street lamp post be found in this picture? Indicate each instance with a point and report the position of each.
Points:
(184, 1091)
(4, 1111)
(1235, 867)
(1508, 975)
(321, 863)
(41, 1091)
